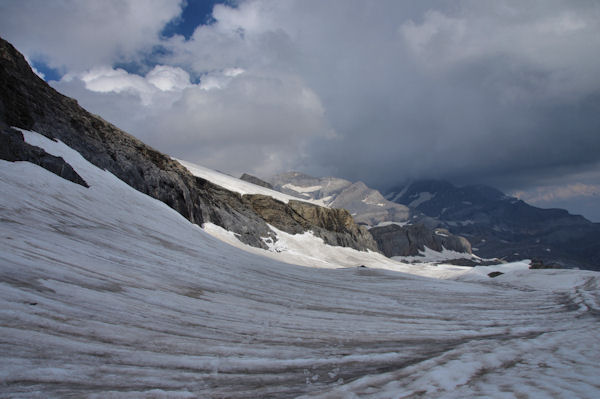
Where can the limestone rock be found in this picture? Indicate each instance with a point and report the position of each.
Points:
(394, 240)
(334, 226)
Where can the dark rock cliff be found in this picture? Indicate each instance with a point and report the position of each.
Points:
(27, 102)
(14, 148)
(256, 180)
(394, 240)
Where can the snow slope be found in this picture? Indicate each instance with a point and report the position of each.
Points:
(106, 292)
(237, 185)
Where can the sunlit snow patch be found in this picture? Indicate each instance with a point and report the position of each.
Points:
(233, 184)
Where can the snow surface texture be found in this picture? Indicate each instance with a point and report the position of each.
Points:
(106, 292)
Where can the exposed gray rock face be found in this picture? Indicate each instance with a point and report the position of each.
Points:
(256, 180)
(394, 240)
(14, 148)
(366, 205)
(27, 102)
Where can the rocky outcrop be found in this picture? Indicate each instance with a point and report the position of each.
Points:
(409, 240)
(27, 102)
(334, 226)
(256, 180)
(14, 148)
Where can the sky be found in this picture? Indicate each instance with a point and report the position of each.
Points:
(505, 93)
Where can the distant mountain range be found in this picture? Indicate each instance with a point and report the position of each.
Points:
(496, 225)
(503, 226)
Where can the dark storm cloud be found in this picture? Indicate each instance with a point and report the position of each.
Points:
(490, 98)
(463, 127)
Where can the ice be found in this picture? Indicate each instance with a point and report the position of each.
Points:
(106, 292)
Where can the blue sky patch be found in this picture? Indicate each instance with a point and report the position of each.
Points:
(49, 73)
(195, 13)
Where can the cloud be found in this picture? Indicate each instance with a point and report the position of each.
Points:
(550, 40)
(168, 78)
(76, 35)
(541, 195)
(577, 197)
(230, 120)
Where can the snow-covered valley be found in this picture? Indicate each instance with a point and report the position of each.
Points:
(107, 292)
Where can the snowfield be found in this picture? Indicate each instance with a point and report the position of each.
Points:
(106, 292)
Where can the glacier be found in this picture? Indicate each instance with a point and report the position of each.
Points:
(106, 292)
